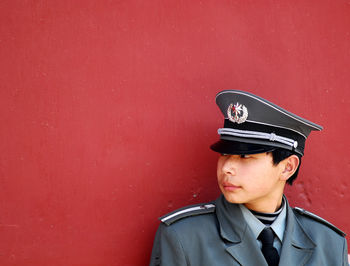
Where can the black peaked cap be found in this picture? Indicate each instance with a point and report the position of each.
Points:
(254, 125)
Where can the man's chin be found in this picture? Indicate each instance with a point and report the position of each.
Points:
(232, 198)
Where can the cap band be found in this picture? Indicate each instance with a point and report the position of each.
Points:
(258, 135)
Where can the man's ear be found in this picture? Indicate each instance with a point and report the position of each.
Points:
(290, 166)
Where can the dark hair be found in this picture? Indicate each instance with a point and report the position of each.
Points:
(279, 155)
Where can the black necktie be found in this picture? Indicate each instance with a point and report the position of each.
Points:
(270, 253)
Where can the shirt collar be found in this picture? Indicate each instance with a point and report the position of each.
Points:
(278, 226)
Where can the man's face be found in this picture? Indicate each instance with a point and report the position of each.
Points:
(252, 180)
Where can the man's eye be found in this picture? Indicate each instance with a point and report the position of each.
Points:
(245, 156)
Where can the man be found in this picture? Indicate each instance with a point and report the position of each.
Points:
(251, 223)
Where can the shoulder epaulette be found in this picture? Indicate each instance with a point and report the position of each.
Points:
(319, 219)
(192, 210)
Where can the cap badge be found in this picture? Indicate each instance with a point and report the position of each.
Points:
(237, 113)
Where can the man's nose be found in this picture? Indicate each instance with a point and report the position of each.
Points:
(230, 164)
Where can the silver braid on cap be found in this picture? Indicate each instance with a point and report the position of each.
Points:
(258, 135)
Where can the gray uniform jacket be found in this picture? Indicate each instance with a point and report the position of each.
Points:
(218, 235)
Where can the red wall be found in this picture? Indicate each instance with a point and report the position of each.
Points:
(107, 112)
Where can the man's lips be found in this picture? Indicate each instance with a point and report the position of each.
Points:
(230, 187)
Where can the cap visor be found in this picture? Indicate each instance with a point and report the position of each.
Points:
(235, 148)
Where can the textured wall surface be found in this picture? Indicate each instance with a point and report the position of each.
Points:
(107, 112)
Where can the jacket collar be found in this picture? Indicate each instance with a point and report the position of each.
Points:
(297, 246)
(241, 244)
